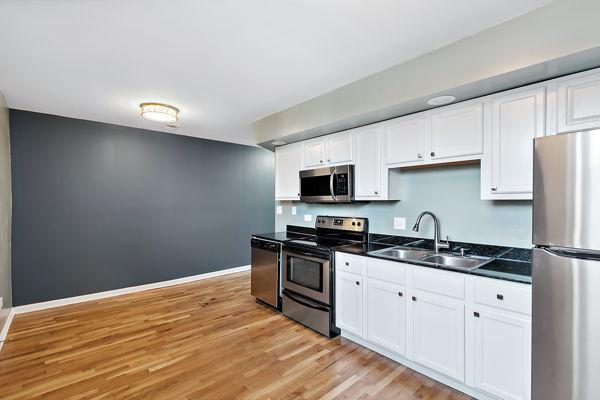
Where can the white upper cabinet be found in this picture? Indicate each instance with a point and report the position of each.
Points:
(328, 150)
(314, 153)
(288, 162)
(368, 169)
(457, 131)
(405, 140)
(502, 353)
(578, 101)
(339, 147)
(516, 118)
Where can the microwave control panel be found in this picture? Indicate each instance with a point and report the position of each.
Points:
(342, 185)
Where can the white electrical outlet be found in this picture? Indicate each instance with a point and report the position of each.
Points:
(279, 210)
(294, 210)
(307, 217)
(400, 223)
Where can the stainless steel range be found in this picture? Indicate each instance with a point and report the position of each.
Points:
(307, 271)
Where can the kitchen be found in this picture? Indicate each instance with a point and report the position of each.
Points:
(421, 231)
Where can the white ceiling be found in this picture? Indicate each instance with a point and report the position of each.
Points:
(224, 63)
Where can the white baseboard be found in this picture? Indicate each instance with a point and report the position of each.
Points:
(117, 292)
(4, 330)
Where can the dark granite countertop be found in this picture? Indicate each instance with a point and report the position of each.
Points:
(511, 264)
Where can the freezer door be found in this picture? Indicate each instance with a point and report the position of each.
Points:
(566, 327)
(566, 190)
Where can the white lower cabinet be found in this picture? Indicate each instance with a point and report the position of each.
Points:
(418, 316)
(349, 302)
(385, 309)
(438, 325)
(502, 353)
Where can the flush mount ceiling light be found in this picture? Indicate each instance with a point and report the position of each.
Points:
(159, 112)
(440, 100)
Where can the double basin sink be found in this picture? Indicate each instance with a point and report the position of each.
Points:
(426, 257)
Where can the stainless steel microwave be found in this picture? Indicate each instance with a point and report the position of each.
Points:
(327, 185)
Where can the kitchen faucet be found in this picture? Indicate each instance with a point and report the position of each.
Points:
(438, 244)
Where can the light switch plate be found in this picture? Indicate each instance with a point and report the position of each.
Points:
(307, 217)
(400, 223)
(279, 210)
(294, 210)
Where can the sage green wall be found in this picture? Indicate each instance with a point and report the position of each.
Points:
(5, 208)
(452, 193)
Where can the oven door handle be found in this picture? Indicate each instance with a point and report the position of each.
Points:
(304, 303)
(331, 189)
(294, 252)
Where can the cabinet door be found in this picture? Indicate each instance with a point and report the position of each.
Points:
(339, 148)
(502, 354)
(457, 131)
(348, 302)
(405, 140)
(517, 118)
(438, 337)
(578, 100)
(314, 153)
(287, 167)
(386, 315)
(367, 163)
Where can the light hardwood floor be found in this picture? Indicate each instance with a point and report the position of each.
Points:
(201, 340)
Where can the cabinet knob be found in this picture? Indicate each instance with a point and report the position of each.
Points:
(298, 194)
(494, 188)
(357, 282)
(420, 155)
(433, 154)
(476, 314)
(329, 160)
(376, 192)
(347, 263)
(400, 294)
(414, 298)
(321, 161)
(500, 296)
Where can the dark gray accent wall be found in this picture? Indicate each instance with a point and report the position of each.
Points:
(98, 207)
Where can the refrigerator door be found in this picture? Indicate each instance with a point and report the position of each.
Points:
(566, 327)
(566, 190)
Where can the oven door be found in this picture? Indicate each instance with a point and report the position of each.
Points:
(306, 274)
(327, 185)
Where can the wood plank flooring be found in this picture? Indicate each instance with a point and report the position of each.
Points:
(201, 340)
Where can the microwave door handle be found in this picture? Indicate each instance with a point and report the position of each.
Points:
(331, 189)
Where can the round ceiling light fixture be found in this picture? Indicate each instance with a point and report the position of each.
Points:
(159, 112)
(440, 100)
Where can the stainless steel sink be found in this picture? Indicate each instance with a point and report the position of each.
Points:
(426, 257)
(450, 261)
(405, 254)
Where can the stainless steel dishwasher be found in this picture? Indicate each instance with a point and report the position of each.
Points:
(264, 272)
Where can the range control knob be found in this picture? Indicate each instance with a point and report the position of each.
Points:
(358, 223)
(353, 223)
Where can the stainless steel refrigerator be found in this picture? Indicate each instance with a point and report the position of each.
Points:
(566, 267)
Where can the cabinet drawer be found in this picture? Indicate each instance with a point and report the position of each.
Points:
(389, 271)
(349, 263)
(440, 282)
(504, 295)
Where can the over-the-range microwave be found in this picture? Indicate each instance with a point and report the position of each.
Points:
(327, 185)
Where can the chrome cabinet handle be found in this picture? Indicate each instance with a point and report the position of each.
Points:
(420, 155)
(494, 188)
